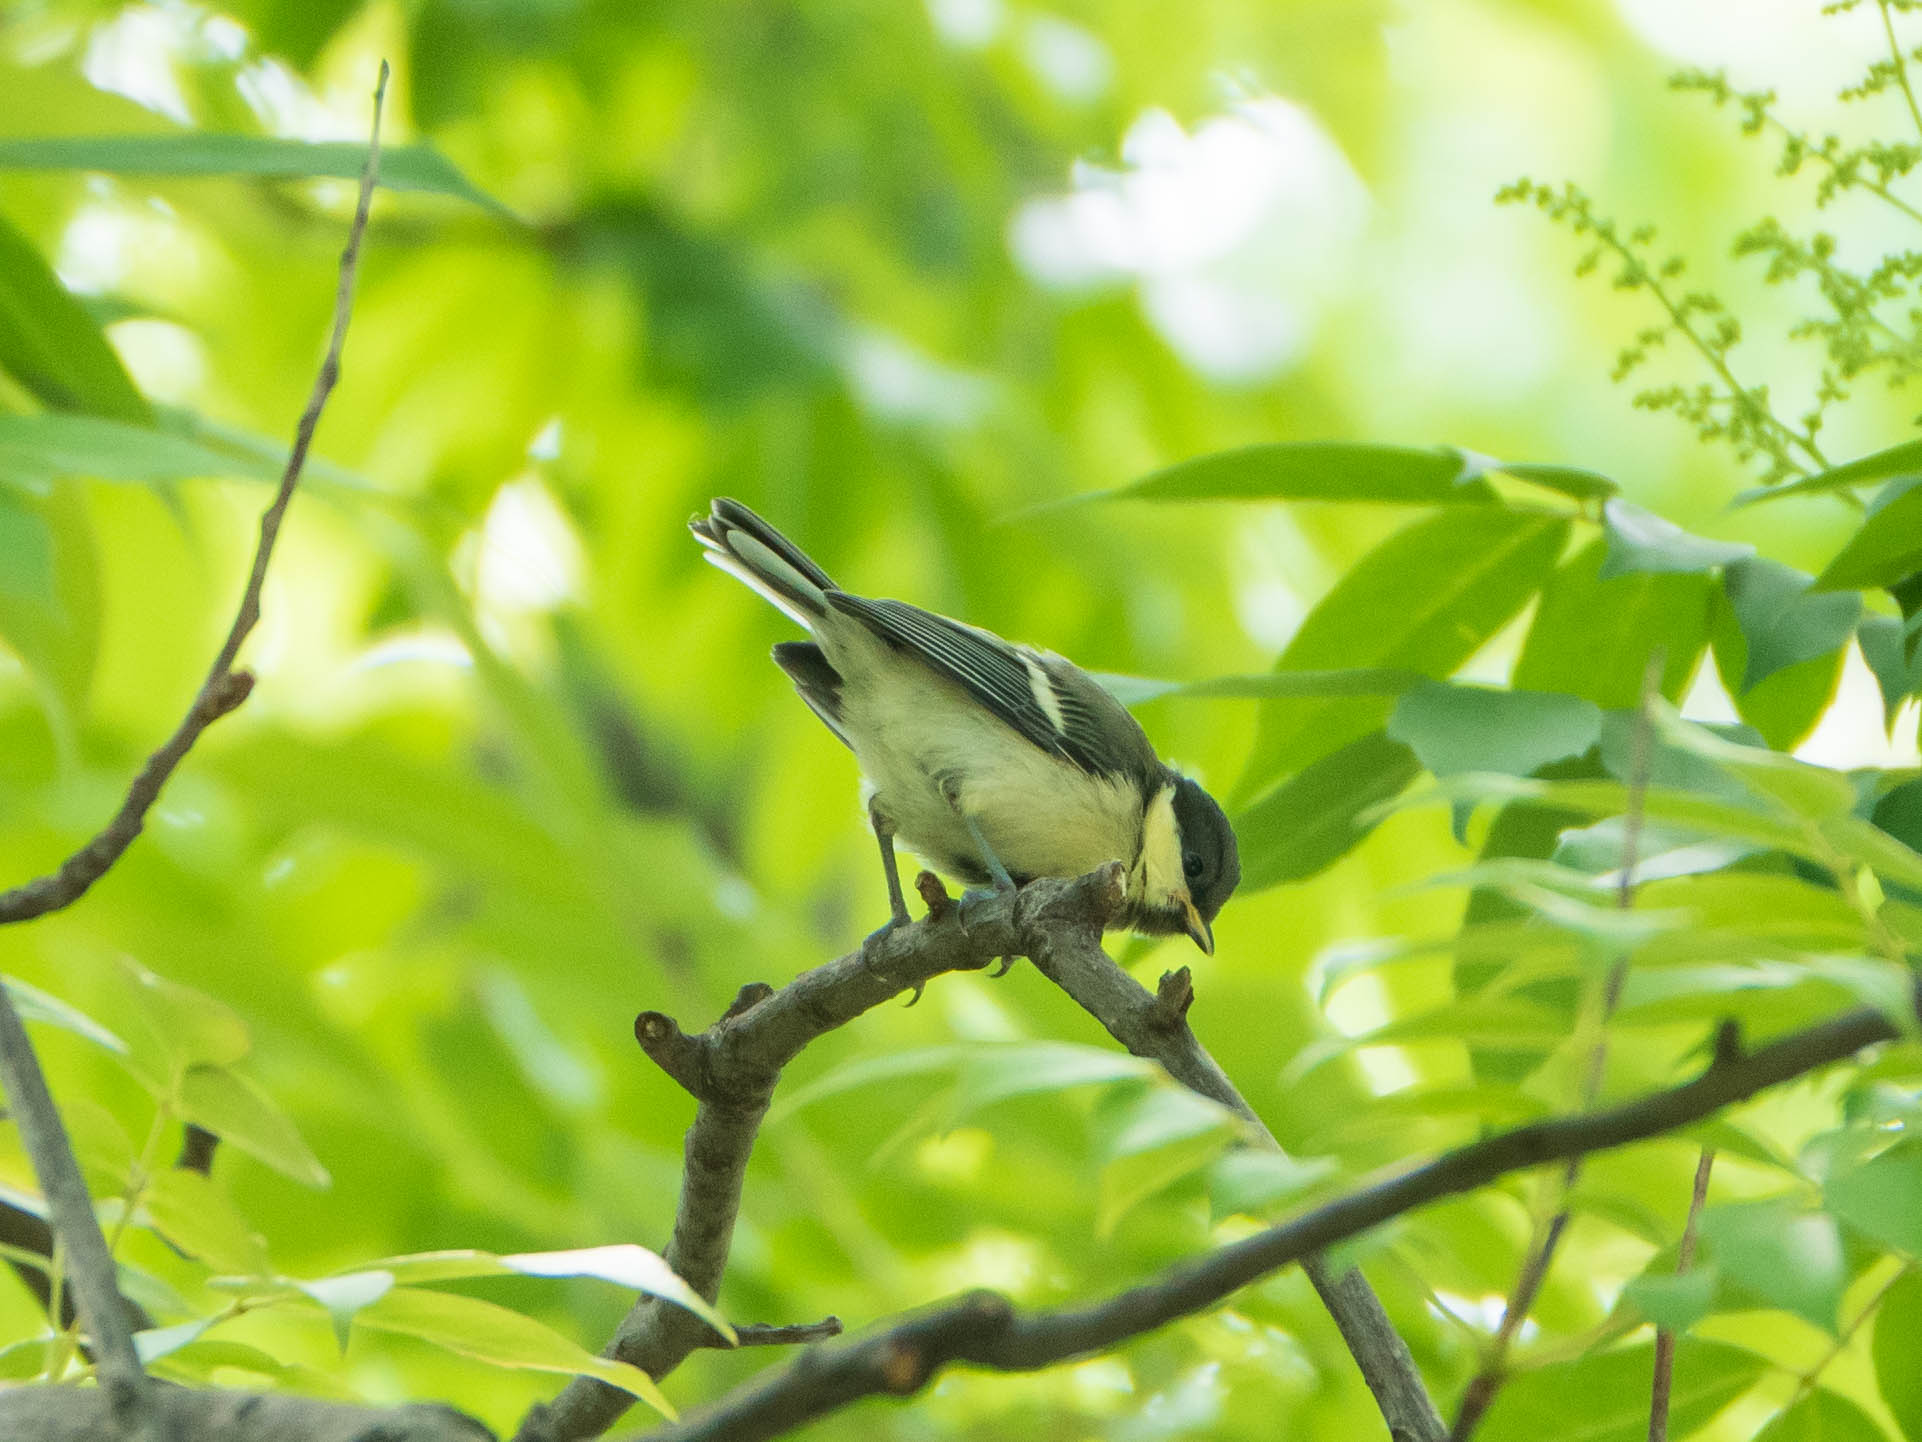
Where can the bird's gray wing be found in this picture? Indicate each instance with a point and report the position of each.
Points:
(1046, 699)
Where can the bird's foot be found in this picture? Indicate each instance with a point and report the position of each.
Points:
(1003, 966)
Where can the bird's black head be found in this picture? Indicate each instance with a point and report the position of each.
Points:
(1209, 858)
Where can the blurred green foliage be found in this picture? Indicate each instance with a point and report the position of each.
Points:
(901, 276)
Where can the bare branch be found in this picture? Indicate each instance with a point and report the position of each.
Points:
(763, 1334)
(731, 1070)
(75, 1414)
(89, 1261)
(225, 688)
(986, 1330)
(1664, 1382)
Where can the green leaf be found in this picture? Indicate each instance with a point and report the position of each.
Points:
(1452, 728)
(52, 346)
(1640, 540)
(50, 591)
(497, 1335)
(1812, 792)
(1604, 1396)
(1255, 1181)
(1376, 681)
(1571, 481)
(1888, 544)
(1902, 460)
(1822, 1416)
(627, 1265)
(1898, 670)
(1425, 599)
(237, 1111)
(33, 1004)
(1128, 1181)
(346, 1296)
(1321, 814)
(1882, 1197)
(402, 167)
(1783, 620)
(1785, 707)
(1671, 1301)
(194, 1213)
(27, 576)
(1787, 1257)
(1898, 1336)
(1315, 471)
(157, 1342)
(37, 451)
(189, 1027)
(1593, 637)
(998, 1072)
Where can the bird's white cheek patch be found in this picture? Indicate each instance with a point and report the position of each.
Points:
(1159, 876)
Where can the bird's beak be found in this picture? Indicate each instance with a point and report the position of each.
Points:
(1197, 929)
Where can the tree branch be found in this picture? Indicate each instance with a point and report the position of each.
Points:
(89, 1261)
(1156, 1027)
(988, 1331)
(731, 1070)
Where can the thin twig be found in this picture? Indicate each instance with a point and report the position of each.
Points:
(985, 1330)
(89, 1263)
(225, 688)
(766, 1334)
(1665, 1336)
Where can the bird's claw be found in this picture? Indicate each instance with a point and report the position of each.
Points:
(886, 929)
(1003, 966)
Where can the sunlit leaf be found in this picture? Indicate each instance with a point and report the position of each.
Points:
(345, 1297)
(1882, 1197)
(1315, 471)
(1593, 637)
(1786, 1256)
(33, 1004)
(1901, 460)
(194, 1213)
(1822, 1416)
(1898, 1332)
(402, 167)
(238, 1112)
(501, 1337)
(1423, 600)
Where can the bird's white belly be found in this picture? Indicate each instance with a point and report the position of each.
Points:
(931, 753)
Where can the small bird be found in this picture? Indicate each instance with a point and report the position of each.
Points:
(998, 763)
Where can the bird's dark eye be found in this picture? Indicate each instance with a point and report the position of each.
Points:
(1192, 864)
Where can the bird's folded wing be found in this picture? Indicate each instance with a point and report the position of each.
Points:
(1043, 698)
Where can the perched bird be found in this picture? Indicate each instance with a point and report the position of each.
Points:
(997, 763)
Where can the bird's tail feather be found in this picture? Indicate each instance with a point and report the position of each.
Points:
(748, 548)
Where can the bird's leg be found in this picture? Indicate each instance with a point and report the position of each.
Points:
(1002, 881)
(897, 904)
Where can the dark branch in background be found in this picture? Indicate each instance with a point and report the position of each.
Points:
(89, 1263)
(1664, 1383)
(987, 1331)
